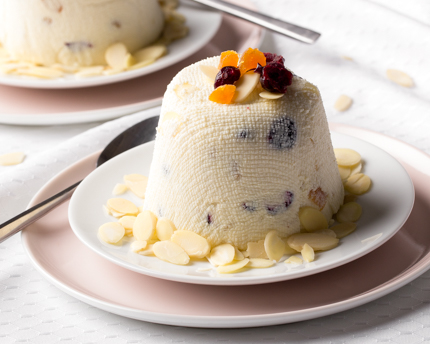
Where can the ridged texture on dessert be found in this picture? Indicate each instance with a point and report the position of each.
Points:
(76, 31)
(234, 172)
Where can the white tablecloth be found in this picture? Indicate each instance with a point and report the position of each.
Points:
(377, 35)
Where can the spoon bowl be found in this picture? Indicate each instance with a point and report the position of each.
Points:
(136, 135)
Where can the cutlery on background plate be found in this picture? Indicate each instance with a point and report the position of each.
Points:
(291, 30)
(136, 135)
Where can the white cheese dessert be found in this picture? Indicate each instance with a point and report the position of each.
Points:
(76, 31)
(234, 172)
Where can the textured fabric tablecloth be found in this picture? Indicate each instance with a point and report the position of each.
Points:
(376, 35)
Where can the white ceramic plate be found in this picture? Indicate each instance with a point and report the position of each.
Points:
(385, 209)
(203, 25)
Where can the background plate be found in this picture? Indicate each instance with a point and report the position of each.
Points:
(67, 106)
(203, 25)
(385, 209)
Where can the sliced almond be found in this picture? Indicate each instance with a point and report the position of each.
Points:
(141, 64)
(14, 158)
(294, 260)
(270, 95)
(65, 69)
(343, 103)
(319, 242)
(349, 212)
(111, 232)
(112, 71)
(127, 222)
(153, 52)
(86, 72)
(138, 246)
(245, 85)
(259, 263)
(256, 250)
(343, 229)
(356, 169)
(344, 172)
(117, 56)
(233, 267)
(238, 255)
(274, 246)
(171, 115)
(308, 253)
(122, 206)
(119, 189)
(346, 157)
(222, 255)
(311, 219)
(183, 91)
(288, 250)
(327, 231)
(144, 226)
(137, 184)
(41, 72)
(170, 252)
(148, 251)
(210, 72)
(164, 228)
(358, 184)
(195, 245)
(400, 77)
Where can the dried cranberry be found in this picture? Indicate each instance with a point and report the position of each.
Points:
(274, 58)
(288, 196)
(227, 76)
(275, 77)
(282, 134)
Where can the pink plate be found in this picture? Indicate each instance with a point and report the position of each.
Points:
(79, 105)
(75, 269)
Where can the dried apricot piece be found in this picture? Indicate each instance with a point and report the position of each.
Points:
(249, 60)
(228, 58)
(223, 94)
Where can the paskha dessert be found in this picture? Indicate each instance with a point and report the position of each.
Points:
(68, 32)
(44, 38)
(243, 147)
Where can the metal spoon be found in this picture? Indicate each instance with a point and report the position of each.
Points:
(291, 30)
(136, 135)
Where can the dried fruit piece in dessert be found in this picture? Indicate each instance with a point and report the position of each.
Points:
(227, 76)
(250, 59)
(223, 94)
(228, 58)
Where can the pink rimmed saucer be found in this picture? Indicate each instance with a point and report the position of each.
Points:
(71, 266)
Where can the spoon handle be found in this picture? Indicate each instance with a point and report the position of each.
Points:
(293, 31)
(27, 217)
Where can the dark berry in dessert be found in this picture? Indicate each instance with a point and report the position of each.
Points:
(274, 58)
(274, 77)
(273, 209)
(283, 133)
(249, 206)
(227, 76)
(209, 219)
(288, 197)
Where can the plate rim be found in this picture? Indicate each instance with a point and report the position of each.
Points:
(222, 280)
(414, 271)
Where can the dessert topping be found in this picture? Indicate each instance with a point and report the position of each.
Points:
(227, 76)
